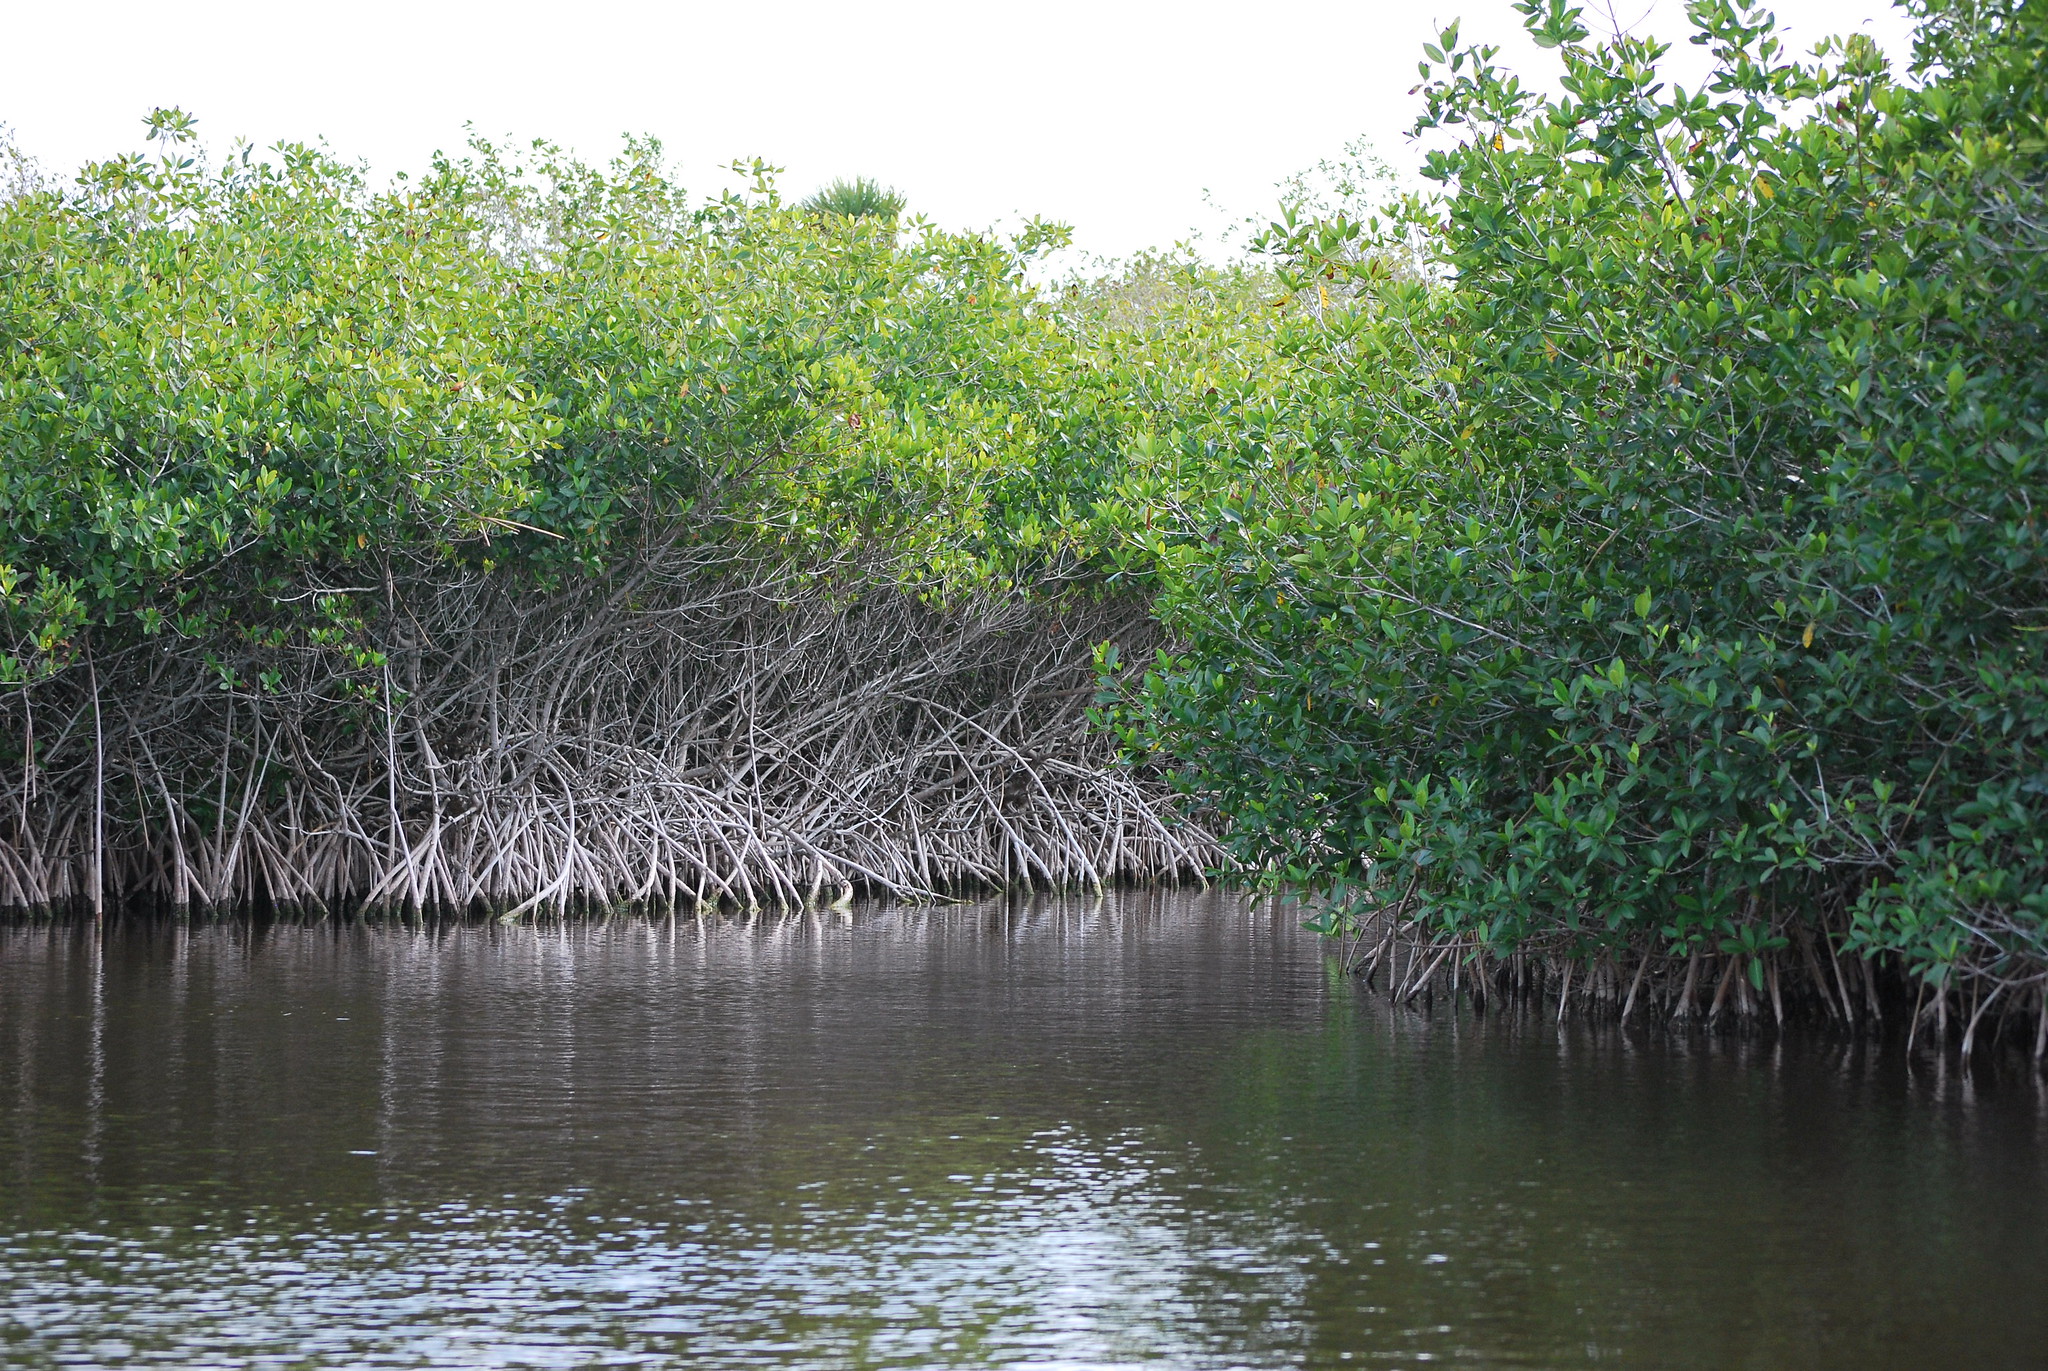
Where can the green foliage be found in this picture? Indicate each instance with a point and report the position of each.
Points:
(860, 198)
(242, 397)
(259, 366)
(1661, 556)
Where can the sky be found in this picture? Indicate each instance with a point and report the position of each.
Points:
(1137, 123)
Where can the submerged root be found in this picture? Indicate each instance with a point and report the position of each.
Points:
(1808, 981)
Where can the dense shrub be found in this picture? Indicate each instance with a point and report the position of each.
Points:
(1661, 562)
(220, 386)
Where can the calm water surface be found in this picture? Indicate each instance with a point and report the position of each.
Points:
(1152, 1131)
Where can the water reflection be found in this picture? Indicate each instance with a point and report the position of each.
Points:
(1149, 1130)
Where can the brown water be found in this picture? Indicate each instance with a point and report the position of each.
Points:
(1155, 1131)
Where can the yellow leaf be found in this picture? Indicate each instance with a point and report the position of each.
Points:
(1807, 641)
(1763, 188)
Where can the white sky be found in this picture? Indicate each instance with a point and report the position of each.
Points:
(1113, 115)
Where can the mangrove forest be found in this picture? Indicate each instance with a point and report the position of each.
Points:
(1611, 571)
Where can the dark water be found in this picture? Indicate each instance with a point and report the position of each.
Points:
(1157, 1131)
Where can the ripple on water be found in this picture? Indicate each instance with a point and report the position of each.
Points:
(1154, 1130)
